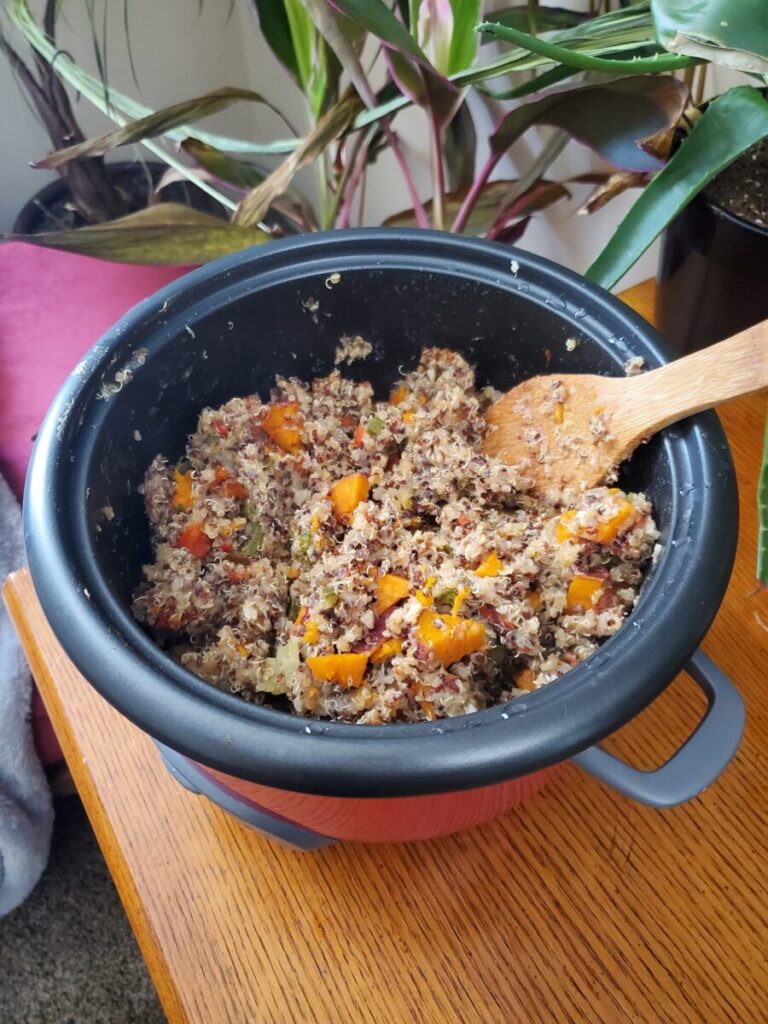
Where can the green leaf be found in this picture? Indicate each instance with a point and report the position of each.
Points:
(543, 81)
(729, 126)
(584, 61)
(376, 17)
(329, 127)
(762, 506)
(488, 205)
(537, 19)
(155, 124)
(627, 121)
(463, 38)
(422, 85)
(168, 233)
(734, 34)
(459, 149)
(276, 29)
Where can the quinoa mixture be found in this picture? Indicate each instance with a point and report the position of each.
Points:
(360, 560)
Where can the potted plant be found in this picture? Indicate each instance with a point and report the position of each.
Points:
(89, 191)
(608, 81)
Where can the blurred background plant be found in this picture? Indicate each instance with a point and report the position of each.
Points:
(623, 81)
(626, 79)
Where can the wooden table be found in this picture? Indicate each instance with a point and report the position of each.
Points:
(581, 907)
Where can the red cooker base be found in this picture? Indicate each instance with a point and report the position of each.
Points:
(384, 820)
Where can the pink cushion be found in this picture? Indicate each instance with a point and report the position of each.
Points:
(54, 306)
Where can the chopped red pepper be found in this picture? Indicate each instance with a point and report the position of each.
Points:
(195, 540)
(221, 428)
(359, 435)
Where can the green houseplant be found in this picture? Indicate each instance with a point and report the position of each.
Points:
(609, 81)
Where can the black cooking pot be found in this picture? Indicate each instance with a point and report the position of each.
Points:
(228, 329)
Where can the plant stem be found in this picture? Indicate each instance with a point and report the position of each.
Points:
(438, 174)
(462, 215)
(345, 213)
(361, 204)
(344, 178)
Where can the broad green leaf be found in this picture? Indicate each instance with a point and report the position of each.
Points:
(329, 127)
(421, 84)
(543, 81)
(464, 40)
(303, 33)
(276, 29)
(486, 210)
(168, 233)
(558, 54)
(729, 126)
(459, 149)
(536, 19)
(621, 120)
(762, 505)
(376, 17)
(729, 32)
(154, 124)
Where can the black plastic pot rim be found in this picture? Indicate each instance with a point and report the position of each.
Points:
(331, 758)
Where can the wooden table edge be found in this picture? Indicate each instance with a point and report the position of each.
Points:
(151, 950)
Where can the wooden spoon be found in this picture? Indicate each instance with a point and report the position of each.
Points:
(571, 431)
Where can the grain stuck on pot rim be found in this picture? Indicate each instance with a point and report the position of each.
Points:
(353, 559)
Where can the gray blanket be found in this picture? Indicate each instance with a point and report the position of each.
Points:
(26, 813)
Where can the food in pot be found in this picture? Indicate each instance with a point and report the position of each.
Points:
(358, 559)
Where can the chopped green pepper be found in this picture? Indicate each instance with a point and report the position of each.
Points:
(448, 596)
(183, 465)
(255, 540)
(330, 597)
(375, 426)
(293, 609)
(302, 543)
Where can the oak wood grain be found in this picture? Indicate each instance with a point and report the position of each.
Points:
(579, 907)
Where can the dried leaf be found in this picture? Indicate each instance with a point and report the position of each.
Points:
(155, 124)
(168, 233)
(614, 186)
(336, 120)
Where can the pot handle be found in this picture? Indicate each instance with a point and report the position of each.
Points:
(696, 765)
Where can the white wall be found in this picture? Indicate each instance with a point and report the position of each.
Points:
(180, 53)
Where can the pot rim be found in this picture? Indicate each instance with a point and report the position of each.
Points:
(340, 759)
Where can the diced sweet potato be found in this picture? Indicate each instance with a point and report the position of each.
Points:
(583, 591)
(182, 490)
(491, 565)
(398, 395)
(347, 494)
(602, 533)
(283, 422)
(449, 638)
(524, 680)
(389, 590)
(345, 669)
(387, 649)
(195, 540)
(311, 633)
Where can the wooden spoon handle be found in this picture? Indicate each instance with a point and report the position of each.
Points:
(731, 369)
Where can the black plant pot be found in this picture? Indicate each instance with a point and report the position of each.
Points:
(50, 208)
(712, 278)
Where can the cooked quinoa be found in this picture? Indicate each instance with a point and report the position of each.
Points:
(361, 560)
